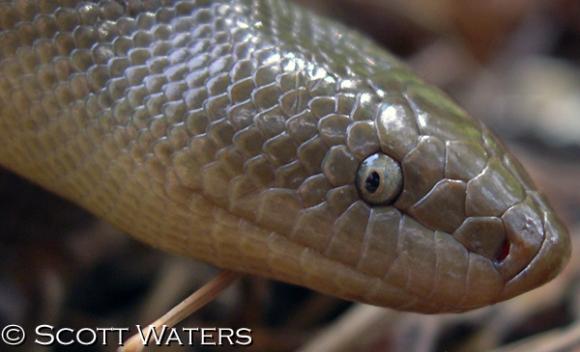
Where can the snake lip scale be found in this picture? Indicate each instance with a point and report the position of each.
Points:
(258, 137)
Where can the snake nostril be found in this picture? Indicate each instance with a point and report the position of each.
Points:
(504, 251)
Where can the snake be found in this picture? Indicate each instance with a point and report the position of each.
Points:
(258, 137)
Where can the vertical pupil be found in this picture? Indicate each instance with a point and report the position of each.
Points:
(372, 182)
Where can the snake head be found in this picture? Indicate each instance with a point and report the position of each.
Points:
(413, 204)
(385, 189)
(472, 228)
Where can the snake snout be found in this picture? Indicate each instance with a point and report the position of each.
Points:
(539, 246)
(511, 225)
(486, 214)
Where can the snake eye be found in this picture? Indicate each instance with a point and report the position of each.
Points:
(379, 179)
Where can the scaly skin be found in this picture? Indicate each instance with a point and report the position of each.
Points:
(232, 132)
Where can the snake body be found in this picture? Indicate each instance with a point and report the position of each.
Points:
(232, 132)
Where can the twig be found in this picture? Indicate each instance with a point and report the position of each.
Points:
(195, 301)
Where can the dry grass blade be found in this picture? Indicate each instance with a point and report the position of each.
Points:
(188, 306)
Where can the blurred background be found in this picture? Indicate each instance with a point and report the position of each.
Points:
(514, 64)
